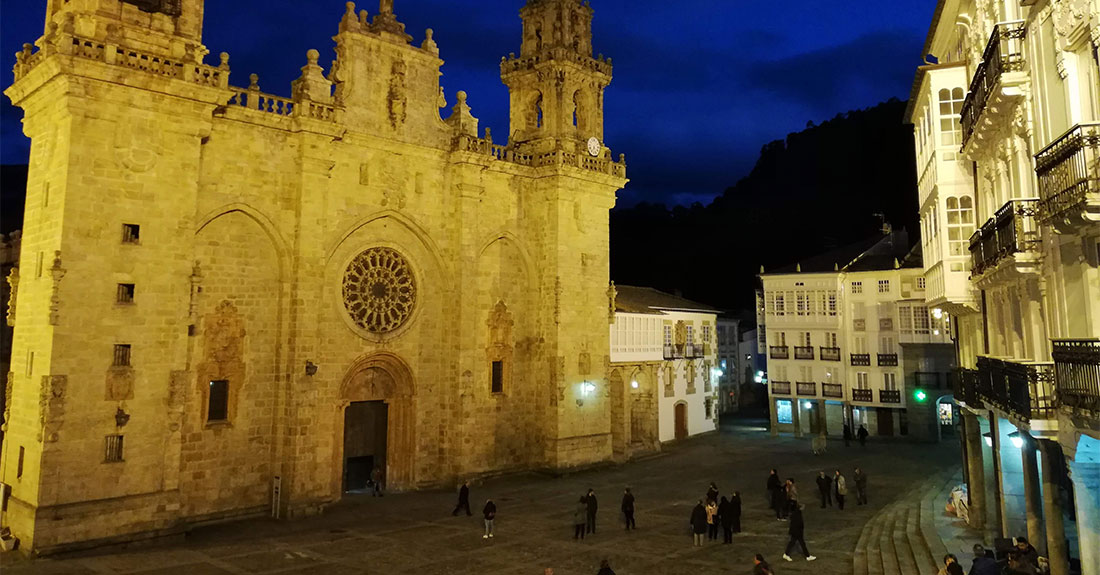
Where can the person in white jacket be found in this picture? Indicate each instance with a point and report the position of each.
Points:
(841, 489)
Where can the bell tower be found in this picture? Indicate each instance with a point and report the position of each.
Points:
(171, 28)
(555, 85)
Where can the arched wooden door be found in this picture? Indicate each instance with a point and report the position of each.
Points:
(681, 417)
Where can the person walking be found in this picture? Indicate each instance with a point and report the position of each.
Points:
(860, 479)
(735, 511)
(605, 568)
(797, 532)
(580, 514)
(712, 493)
(774, 499)
(592, 506)
(841, 488)
(712, 521)
(490, 513)
(376, 482)
(698, 524)
(862, 434)
(847, 435)
(825, 487)
(628, 509)
(463, 499)
(725, 516)
(760, 566)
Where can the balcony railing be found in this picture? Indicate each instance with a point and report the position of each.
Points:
(1010, 231)
(693, 350)
(867, 395)
(1069, 176)
(781, 387)
(889, 396)
(803, 352)
(1022, 389)
(887, 359)
(674, 351)
(1004, 53)
(861, 359)
(805, 388)
(829, 353)
(965, 387)
(1077, 373)
(779, 352)
(832, 390)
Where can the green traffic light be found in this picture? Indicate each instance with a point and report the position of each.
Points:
(920, 395)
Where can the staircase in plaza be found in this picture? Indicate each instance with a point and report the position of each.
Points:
(901, 539)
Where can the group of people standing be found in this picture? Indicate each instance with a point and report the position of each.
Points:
(706, 518)
(584, 515)
(837, 488)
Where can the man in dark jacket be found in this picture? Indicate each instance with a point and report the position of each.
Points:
(860, 479)
(463, 499)
(725, 517)
(590, 499)
(797, 531)
(847, 435)
(983, 564)
(825, 487)
(699, 524)
(1025, 554)
(862, 434)
(628, 509)
(775, 494)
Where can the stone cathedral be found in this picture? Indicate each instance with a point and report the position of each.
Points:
(231, 303)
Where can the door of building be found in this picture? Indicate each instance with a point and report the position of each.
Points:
(885, 422)
(365, 426)
(681, 413)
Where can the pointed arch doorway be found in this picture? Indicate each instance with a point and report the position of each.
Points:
(377, 429)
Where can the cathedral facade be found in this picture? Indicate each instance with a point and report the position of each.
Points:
(231, 303)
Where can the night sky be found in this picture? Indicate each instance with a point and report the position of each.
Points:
(699, 86)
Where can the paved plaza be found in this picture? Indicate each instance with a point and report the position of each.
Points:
(415, 533)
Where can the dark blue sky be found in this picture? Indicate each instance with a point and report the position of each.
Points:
(700, 85)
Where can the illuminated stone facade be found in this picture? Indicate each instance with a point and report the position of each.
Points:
(197, 274)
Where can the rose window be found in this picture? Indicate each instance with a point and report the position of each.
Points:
(379, 290)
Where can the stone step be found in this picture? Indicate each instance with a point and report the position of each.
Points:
(926, 563)
(860, 556)
(903, 552)
(874, 549)
(890, 565)
(932, 506)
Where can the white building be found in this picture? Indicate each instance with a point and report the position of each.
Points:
(850, 340)
(1007, 118)
(663, 358)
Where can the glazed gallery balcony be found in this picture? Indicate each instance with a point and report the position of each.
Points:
(779, 352)
(829, 353)
(684, 351)
(998, 80)
(1069, 179)
(803, 352)
(861, 359)
(1011, 235)
(1077, 374)
(1023, 390)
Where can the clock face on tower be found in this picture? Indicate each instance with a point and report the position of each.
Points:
(594, 146)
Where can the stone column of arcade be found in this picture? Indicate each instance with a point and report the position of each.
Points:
(1033, 500)
(1057, 553)
(773, 417)
(1086, 490)
(796, 411)
(972, 436)
(995, 528)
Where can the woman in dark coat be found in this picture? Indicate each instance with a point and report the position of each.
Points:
(699, 523)
(725, 515)
(580, 515)
(735, 511)
(776, 495)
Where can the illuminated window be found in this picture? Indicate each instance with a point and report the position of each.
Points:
(783, 411)
(951, 102)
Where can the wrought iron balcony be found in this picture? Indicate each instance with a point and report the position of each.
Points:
(832, 390)
(1004, 53)
(829, 353)
(889, 396)
(781, 387)
(805, 388)
(693, 350)
(888, 359)
(803, 352)
(965, 387)
(1025, 390)
(861, 359)
(1011, 231)
(867, 395)
(1077, 373)
(674, 351)
(779, 352)
(1069, 178)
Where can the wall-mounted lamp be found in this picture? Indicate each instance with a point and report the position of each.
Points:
(808, 405)
(634, 385)
(1016, 439)
(311, 368)
(121, 418)
(937, 313)
(988, 438)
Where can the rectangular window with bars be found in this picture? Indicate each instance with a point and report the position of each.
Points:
(122, 355)
(125, 293)
(883, 286)
(131, 233)
(498, 377)
(112, 452)
(857, 287)
(218, 408)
